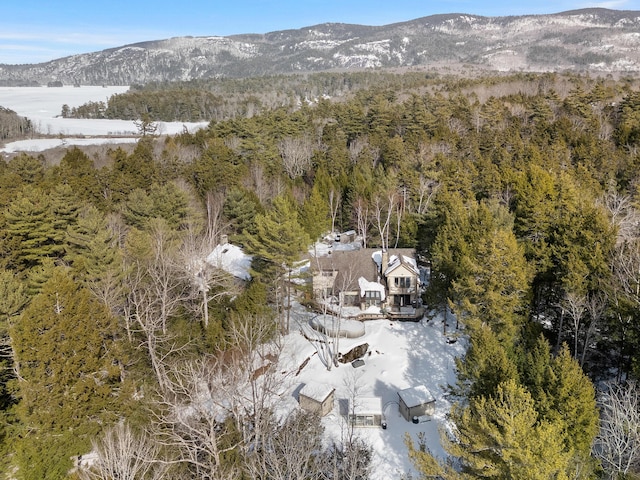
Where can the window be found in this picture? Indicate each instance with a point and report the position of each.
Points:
(327, 273)
(372, 298)
(402, 282)
(363, 420)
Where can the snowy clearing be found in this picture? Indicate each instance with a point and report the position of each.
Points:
(43, 105)
(400, 355)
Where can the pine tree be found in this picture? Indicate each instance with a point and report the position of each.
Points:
(240, 208)
(501, 436)
(495, 286)
(315, 214)
(91, 249)
(279, 241)
(65, 349)
(64, 207)
(13, 299)
(573, 403)
(30, 230)
(486, 364)
(563, 395)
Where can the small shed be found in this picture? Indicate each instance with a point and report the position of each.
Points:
(365, 412)
(416, 402)
(316, 398)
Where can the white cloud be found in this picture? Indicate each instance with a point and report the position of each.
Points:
(35, 45)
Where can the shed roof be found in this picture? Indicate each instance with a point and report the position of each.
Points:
(366, 406)
(317, 391)
(416, 396)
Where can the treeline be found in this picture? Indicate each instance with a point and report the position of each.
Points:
(222, 99)
(13, 125)
(521, 192)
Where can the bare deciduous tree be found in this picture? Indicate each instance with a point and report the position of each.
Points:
(296, 153)
(222, 403)
(290, 451)
(126, 455)
(167, 288)
(596, 306)
(361, 212)
(192, 422)
(426, 189)
(622, 214)
(618, 444)
(356, 147)
(155, 291)
(335, 198)
(574, 305)
(383, 210)
(200, 274)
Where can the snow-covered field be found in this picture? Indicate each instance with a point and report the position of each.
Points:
(43, 105)
(400, 355)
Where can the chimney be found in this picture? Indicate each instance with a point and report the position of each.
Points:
(224, 239)
(384, 263)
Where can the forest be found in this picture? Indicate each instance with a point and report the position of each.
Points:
(521, 192)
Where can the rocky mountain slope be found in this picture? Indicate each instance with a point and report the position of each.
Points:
(597, 40)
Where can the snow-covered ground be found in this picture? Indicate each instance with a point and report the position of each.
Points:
(400, 355)
(43, 105)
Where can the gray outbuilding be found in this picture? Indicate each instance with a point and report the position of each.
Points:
(416, 402)
(317, 398)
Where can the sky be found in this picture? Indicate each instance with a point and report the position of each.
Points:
(33, 31)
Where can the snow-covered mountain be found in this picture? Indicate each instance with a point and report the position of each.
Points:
(581, 40)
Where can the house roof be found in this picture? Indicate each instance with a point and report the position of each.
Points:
(352, 265)
(416, 396)
(231, 259)
(365, 285)
(400, 259)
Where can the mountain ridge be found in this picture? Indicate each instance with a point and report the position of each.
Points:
(593, 39)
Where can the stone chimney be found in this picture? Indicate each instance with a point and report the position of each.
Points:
(384, 263)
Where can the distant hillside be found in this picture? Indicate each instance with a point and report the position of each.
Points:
(596, 40)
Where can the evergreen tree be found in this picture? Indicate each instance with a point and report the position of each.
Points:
(91, 249)
(495, 286)
(573, 403)
(486, 364)
(501, 436)
(65, 350)
(77, 170)
(278, 242)
(315, 215)
(30, 230)
(240, 208)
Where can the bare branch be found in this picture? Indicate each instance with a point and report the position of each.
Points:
(618, 444)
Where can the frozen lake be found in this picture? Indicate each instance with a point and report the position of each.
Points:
(43, 105)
